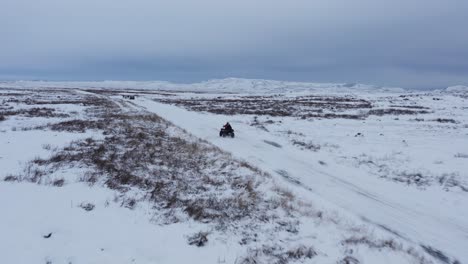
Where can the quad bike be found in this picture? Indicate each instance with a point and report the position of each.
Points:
(225, 133)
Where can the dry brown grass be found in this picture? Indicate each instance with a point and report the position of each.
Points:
(305, 106)
(138, 152)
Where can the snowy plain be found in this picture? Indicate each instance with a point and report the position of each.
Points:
(391, 175)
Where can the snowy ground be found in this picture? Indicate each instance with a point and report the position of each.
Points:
(348, 176)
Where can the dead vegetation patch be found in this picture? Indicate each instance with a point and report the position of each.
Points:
(447, 181)
(11, 178)
(199, 239)
(279, 106)
(410, 106)
(35, 112)
(445, 120)
(395, 111)
(77, 125)
(278, 254)
(176, 174)
(419, 178)
(412, 178)
(305, 107)
(87, 206)
(306, 145)
(387, 244)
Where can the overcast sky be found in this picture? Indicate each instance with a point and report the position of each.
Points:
(406, 43)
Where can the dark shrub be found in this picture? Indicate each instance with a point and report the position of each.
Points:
(199, 239)
(10, 178)
(58, 182)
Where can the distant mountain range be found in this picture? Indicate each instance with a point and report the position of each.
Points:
(228, 85)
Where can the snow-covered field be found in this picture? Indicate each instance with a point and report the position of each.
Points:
(317, 173)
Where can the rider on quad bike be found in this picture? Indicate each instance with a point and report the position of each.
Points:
(226, 130)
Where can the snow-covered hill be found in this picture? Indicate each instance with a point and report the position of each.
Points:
(228, 85)
(457, 88)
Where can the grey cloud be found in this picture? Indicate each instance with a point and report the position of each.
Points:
(404, 43)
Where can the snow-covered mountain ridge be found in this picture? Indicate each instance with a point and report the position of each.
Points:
(228, 85)
(457, 88)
